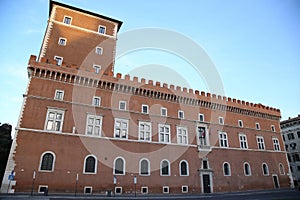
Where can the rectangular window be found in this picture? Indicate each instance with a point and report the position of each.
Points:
(260, 142)
(54, 120)
(97, 69)
(223, 141)
(243, 141)
(99, 50)
(201, 134)
(273, 128)
(166, 189)
(145, 109)
(201, 117)
(118, 190)
(88, 190)
(163, 112)
(257, 126)
(180, 114)
(96, 101)
(122, 105)
(59, 95)
(185, 189)
(276, 144)
(291, 136)
(298, 134)
(62, 41)
(221, 120)
(144, 190)
(145, 131)
(164, 133)
(43, 189)
(58, 60)
(240, 122)
(121, 128)
(93, 125)
(182, 135)
(102, 29)
(67, 20)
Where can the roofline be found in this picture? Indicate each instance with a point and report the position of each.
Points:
(51, 3)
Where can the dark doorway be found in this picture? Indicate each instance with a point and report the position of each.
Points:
(206, 183)
(276, 183)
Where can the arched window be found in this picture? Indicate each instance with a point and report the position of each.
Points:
(47, 161)
(281, 169)
(119, 166)
(184, 168)
(265, 169)
(90, 164)
(165, 168)
(144, 167)
(247, 169)
(226, 169)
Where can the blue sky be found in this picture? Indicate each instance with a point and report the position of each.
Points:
(254, 44)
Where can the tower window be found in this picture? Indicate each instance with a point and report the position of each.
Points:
(67, 20)
(102, 29)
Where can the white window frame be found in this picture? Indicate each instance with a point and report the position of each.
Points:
(99, 28)
(41, 160)
(250, 173)
(55, 111)
(180, 114)
(180, 135)
(97, 69)
(121, 129)
(221, 138)
(62, 41)
(166, 187)
(162, 110)
(268, 172)
(257, 126)
(146, 107)
(124, 166)
(144, 132)
(59, 95)
(142, 190)
(260, 143)
(95, 100)
(276, 144)
(221, 120)
(99, 50)
(243, 141)
(281, 169)
(273, 128)
(121, 190)
(240, 123)
(120, 103)
(59, 60)
(93, 125)
(186, 190)
(88, 187)
(64, 20)
(140, 167)
(96, 162)
(169, 168)
(229, 169)
(187, 168)
(201, 116)
(40, 186)
(164, 133)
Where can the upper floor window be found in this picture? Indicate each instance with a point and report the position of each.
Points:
(145, 109)
(201, 117)
(58, 60)
(122, 105)
(243, 141)
(163, 112)
(180, 114)
(291, 136)
(62, 41)
(226, 169)
(165, 168)
(281, 169)
(97, 69)
(164, 133)
(90, 164)
(47, 161)
(144, 167)
(96, 101)
(121, 128)
(102, 29)
(182, 135)
(273, 128)
(59, 95)
(205, 164)
(99, 50)
(54, 120)
(183, 168)
(247, 169)
(276, 144)
(260, 142)
(257, 126)
(145, 131)
(240, 122)
(201, 134)
(221, 120)
(223, 140)
(67, 20)
(93, 125)
(265, 169)
(119, 166)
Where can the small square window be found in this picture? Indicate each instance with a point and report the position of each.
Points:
(97, 69)
(67, 20)
(122, 105)
(58, 60)
(185, 189)
(144, 190)
(118, 190)
(102, 29)
(62, 41)
(165, 189)
(59, 95)
(257, 126)
(201, 117)
(272, 128)
(96, 101)
(99, 50)
(145, 109)
(43, 189)
(163, 112)
(240, 122)
(180, 114)
(88, 190)
(221, 120)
